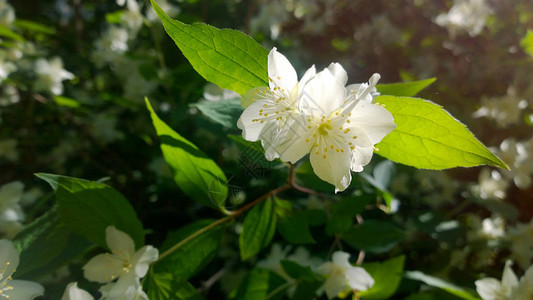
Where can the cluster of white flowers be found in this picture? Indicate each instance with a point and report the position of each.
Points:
(11, 214)
(505, 110)
(50, 74)
(7, 13)
(14, 289)
(337, 125)
(521, 243)
(339, 273)
(509, 288)
(465, 16)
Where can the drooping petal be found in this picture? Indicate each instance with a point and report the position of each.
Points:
(125, 288)
(361, 156)
(341, 259)
(281, 73)
(24, 290)
(334, 169)
(103, 268)
(338, 72)
(509, 279)
(488, 288)
(73, 292)
(119, 242)
(373, 119)
(249, 124)
(322, 95)
(359, 279)
(143, 258)
(9, 259)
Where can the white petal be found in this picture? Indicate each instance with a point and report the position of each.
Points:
(103, 268)
(251, 131)
(125, 288)
(24, 290)
(335, 284)
(251, 96)
(280, 71)
(143, 258)
(297, 140)
(361, 156)
(334, 169)
(310, 73)
(341, 259)
(119, 242)
(488, 288)
(373, 119)
(73, 292)
(322, 95)
(325, 268)
(10, 193)
(509, 279)
(359, 279)
(9, 259)
(338, 72)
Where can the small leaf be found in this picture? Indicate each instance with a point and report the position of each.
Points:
(195, 173)
(428, 137)
(224, 112)
(88, 207)
(194, 255)
(255, 285)
(163, 286)
(439, 283)
(373, 236)
(406, 89)
(33, 26)
(294, 229)
(527, 43)
(68, 102)
(8, 33)
(258, 228)
(387, 276)
(225, 57)
(297, 271)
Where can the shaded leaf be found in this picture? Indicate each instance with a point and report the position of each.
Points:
(373, 236)
(439, 283)
(258, 228)
(387, 276)
(224, 112)
(294, 229)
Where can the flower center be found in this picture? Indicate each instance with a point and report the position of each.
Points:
(324, 128)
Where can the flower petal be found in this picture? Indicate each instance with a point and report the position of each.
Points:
(361, 156)
(322, 95)
(9, 259)
(126, 287)
(24, 290)
(488, 288)
(373, 119)
(509, 279)
(335, 284)
(251, 130)
(341, 259)
(73, 292)
(335, 168)
(359, 279)
(119, 242)
(338, 72)
(297, 140)
(103, 268)
(252, 95)
(310, 73)
(143, 258)
(280, 71)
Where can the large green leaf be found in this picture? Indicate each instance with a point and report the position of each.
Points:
(195, 173)
(258, 229)
(387, 276)
(439, 283)
(407, 89)
(195, 254)
(224, 112)
(164, 286)
(88, 207)
(428, 137)
(255, 285)
(295, 229)
(373, 236)
(226, 57)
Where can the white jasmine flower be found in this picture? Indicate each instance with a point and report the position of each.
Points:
(73, 292)
(9, 95)
(515, 154)
(170, 9)
(123, 290)
(341, 126)
(491, 185)
(505, 110)
(493, 289)
(342, 276)
(132, 18)
(465, 15)
(123, 263)
(303, 257)
(11, 214)
(7, 13)
(524, 290)
(6, 66)
(271, 113)
(50, 75)
(14, 289)
(111, 45)
(521, 243)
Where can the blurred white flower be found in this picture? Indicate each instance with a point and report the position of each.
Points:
(103, 127)
(7, 13)
(524, 290)
(342, 276)
(113, 43)
(132, 18)
(170, 9)
(11, 214)
(273, 260)
(491, 185)
(6, 66)
(270, 19)
(213, 92)
(123, 263)
(493, 289)
(9, 95)
(521, 243)
(8, 150)
(14, 289)
(465, 15)
(50, 74)
(505, 110)
(516, 155)
(73, 292)
(303, 257)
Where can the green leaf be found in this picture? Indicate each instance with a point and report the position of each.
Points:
(294, 229)
(88, 207)
(8, 33)
(33, 26)
(225, 57)
(373, 236)
(163, 286)
(195, 173)
(258, 228)
(428, 137)
(254, 285)
(527, 42)
(439, 283)
(406, 89)
(194, 255)
(114, 17)
(224, 112)
(297, 271)
(68, 102)
(387, 276)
